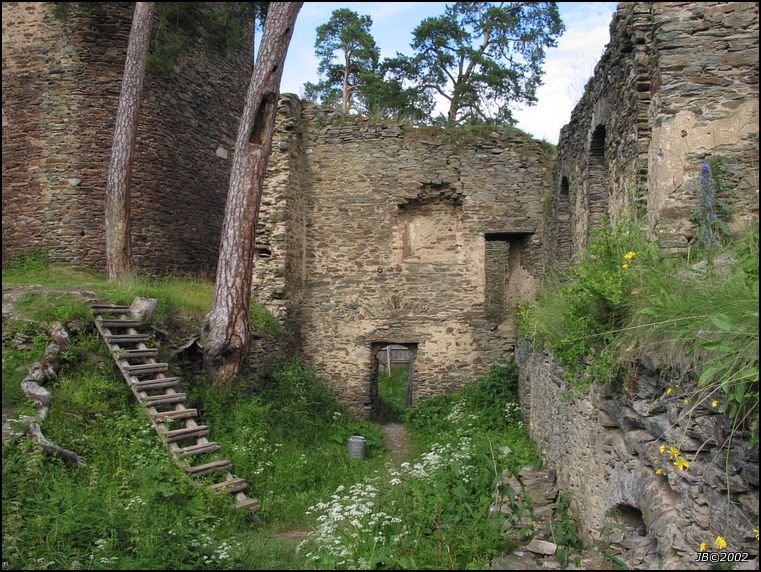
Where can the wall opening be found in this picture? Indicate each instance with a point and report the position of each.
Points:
(391, 384)
(503, 288)
(597, 178)
(563, 237)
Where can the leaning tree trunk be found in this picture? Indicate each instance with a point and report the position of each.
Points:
(118, 249)
(227, 329)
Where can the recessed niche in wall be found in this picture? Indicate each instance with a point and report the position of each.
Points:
(431, 232)
(597, 178)
(502, 273)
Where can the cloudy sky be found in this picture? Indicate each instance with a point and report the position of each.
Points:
(567, 67)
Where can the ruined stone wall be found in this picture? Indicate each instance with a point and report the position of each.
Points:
(385, 232)
(61, 82)
(605, 449)
(677, 85)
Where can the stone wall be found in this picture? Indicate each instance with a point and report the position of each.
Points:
(677, 85)
(379, 234)
(605, 449)
(61, 83)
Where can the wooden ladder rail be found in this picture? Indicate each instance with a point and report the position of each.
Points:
(119, 329)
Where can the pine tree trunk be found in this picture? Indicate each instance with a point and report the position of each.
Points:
(118, 249)
(227, 329)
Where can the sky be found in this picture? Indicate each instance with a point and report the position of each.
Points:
(567, 67)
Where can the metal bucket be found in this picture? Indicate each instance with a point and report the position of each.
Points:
(357, 447)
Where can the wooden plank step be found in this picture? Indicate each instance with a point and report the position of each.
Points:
(147, 368)
(207, 468)
(231, 486)
(98, 309)
(251, 504)
(174, 415)
(186, 433)
(163, 399)
(127, 338)
(198, 449)
(129, 354)
(122, 323)
(149, 384)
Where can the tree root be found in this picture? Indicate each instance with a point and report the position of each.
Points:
(32, 385)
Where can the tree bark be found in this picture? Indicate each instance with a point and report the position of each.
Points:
(227, 330)
(118, 248)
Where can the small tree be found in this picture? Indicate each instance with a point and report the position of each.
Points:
(117, 199)
(228, 330)
(483, 56)
(349, 34)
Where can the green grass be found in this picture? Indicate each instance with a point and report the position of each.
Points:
(131, 508)
(392, 394)
(698, 317)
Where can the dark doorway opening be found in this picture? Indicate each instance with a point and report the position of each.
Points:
(393, 373)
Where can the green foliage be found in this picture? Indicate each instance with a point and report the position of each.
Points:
(432, 512)
(625, 301)
(578, 319)
(347, 33)
(478, 52)
(181, 25)
(392, 394)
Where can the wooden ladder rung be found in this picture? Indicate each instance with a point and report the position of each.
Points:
(235, 485)
(162, 399)
(206, 468)
(129, 354)
(198, 449)
(251, 504)
(174, 415)
(98, 309)
(122, 323)
(146, 368)
(156, 383)
(127, 338)
(186, 433)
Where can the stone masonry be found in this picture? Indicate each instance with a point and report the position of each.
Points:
(605, 450)
(61, 83)
(376, 234)
(677, 85)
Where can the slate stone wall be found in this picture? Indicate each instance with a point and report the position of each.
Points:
(676, 86)
(378, 234)
(61, 83)
(605, 448)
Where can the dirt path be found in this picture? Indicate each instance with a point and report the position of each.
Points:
(397, 443)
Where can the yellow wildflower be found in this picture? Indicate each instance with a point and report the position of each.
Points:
(659, 472)
(686, 401)
(714, 403)
(669, 390)
(662, 448)
(673, 452)
(755, 533)
(681, 463)
(625, 266)
(720, 543)
(703, 547)
(629, 255)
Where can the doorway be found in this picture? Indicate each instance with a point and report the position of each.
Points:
(393, 373)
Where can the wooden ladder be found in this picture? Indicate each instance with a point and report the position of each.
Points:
(174, 422)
